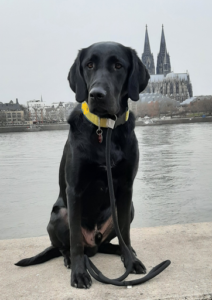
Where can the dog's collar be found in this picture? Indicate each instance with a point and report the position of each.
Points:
(103, 122)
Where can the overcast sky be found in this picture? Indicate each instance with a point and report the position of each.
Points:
(39, 40)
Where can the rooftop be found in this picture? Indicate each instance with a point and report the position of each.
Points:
(182, 76)
(10, 106)
(149, 97)
(157, 77)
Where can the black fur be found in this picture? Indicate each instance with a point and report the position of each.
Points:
(105, 75)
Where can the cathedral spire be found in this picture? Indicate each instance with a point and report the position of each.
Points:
(147, 56)
(147, 49)
(163, 61)
(162, 42)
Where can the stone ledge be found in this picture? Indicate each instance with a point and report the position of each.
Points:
(188, 246)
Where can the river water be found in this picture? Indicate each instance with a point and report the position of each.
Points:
(173, 184)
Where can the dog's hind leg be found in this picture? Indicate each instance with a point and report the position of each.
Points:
(58, 230)
(109, 248)
(47, 254)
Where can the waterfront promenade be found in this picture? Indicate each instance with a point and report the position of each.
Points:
(23, 128)
(64, 126)
(188, 246)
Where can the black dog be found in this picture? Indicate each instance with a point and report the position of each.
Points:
(103, 75)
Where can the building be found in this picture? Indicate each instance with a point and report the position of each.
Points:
(163, 59)
(60, 111)
(36, 110)
(56, 112)
(11, 112)
(147, 57)
(69, 107)
(174, 85)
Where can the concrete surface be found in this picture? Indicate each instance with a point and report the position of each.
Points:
(188, 246)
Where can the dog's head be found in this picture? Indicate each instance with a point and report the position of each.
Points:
(105, 75)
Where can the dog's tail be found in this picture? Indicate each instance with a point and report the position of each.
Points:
(47, 254)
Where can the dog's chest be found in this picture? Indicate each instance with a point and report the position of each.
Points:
(99, 155)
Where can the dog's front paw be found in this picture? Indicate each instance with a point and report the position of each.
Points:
(81, 279)
(137, 266)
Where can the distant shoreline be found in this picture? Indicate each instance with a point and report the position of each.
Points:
(23, 128)
(174, 121)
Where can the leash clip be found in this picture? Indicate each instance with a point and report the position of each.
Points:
(99, 132)
(110, 124)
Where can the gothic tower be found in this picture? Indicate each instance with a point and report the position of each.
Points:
(163, 61)
(147, 56)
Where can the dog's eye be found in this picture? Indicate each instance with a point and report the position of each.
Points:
(118, 66)
(90, 65)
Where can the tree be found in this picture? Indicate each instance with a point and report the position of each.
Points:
(2, 117)
(61, 114)
(182, 111)
(207, 105)
(26, 112)
(142, 109)
(171, 108)
(193, 106)
(153, 109)
(163, 107)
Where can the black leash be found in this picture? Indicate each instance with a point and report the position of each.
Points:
(91, 267)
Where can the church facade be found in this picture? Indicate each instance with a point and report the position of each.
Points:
(174, 85)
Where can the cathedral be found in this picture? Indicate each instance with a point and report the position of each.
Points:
(174, 85)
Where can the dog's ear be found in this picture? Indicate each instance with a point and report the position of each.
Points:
(138, 78)
(76, 80)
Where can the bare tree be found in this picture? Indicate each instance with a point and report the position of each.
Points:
(193, 106)
(182, 111)
(207, 104)
(142, 109)
(153, 109)
(61, 114)
(171, 108)
(26, 112)
(163, 107)
(2, 117)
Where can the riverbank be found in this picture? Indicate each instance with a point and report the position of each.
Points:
(148, 122)
(188, 277)
(23, 128)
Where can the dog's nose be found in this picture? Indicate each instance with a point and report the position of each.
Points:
(97, 93)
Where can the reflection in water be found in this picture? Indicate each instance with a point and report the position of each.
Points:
(173, 184)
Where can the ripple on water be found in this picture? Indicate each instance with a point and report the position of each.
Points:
(173, 183)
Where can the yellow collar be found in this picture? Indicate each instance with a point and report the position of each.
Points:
(103, 122)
